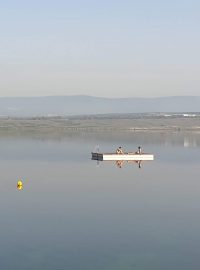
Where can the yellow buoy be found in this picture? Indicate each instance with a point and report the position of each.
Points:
(19, 185)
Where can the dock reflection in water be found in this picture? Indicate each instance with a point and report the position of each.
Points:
(121, 163)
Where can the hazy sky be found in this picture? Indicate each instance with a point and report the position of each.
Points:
(106, 48)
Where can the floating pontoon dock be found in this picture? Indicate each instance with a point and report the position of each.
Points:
(125, 156)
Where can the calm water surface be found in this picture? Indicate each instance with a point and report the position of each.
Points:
(76, 214)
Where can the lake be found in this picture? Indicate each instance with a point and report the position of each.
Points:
(74, 213)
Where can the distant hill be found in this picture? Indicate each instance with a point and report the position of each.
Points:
(82, 105)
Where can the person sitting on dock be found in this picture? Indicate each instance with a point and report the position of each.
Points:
(119, 150)
(139, 151)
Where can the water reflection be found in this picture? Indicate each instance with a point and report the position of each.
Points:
(83, 218)
(121, 163)
(186, 138)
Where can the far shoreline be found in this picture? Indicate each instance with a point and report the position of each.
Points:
(99, 124)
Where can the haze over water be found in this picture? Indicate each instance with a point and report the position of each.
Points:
(74, 213)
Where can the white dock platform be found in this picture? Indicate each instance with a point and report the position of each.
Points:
(125, 156)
